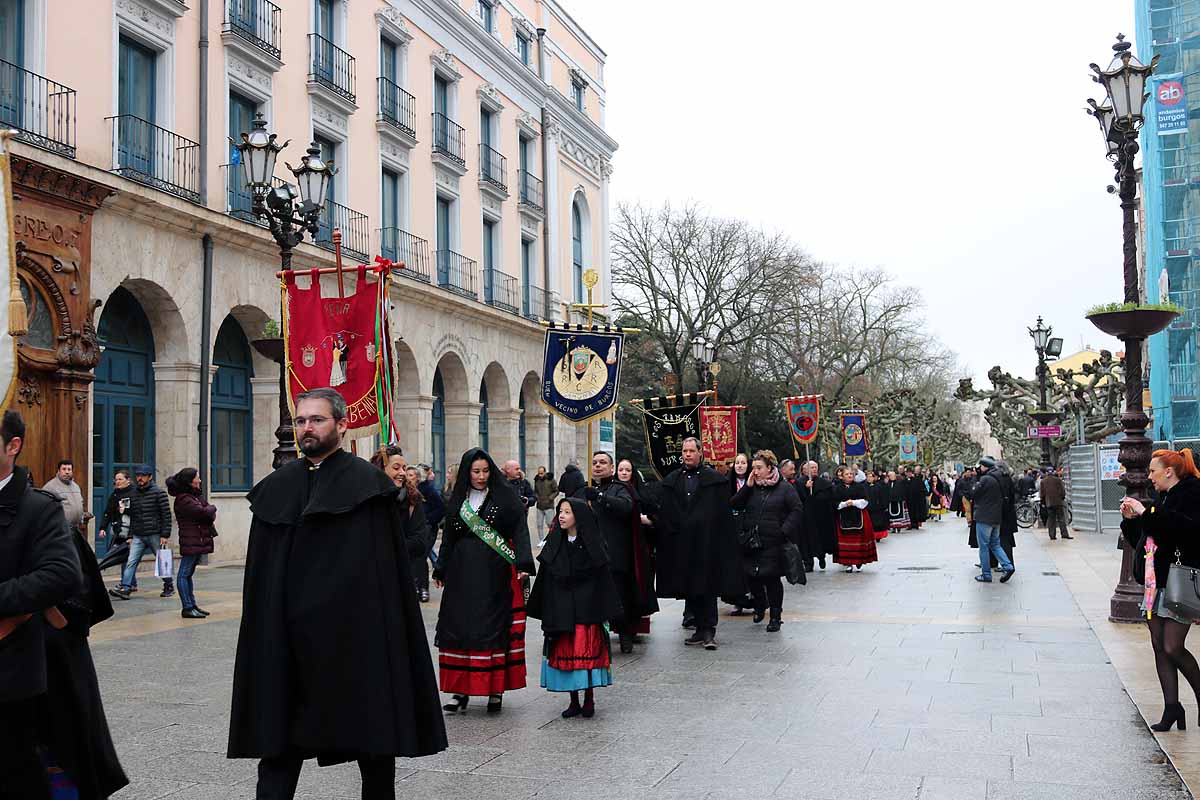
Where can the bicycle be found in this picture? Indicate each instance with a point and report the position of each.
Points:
(1029, 511)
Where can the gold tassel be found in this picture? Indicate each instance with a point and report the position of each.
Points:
(18, 314)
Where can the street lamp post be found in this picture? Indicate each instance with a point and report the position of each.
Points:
(1120, 119)
(289, 211)
(1045, 346)
(704, 352)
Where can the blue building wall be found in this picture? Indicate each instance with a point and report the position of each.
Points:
(1170, 29)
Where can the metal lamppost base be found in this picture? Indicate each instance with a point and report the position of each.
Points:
(1125, 604)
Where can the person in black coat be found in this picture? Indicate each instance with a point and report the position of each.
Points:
(770, 514)
(1173, 524)
(332, 661)
(819, 531)
(698, 554)
(573, 596)
(878, 499)
(572, 481)
(918, 498)
(39, 569)
(481, 623)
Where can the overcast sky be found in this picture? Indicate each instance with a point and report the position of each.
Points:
(944, 141)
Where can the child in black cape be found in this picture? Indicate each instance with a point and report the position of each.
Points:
(574, 595)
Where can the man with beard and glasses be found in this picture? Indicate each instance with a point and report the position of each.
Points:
(332, 661)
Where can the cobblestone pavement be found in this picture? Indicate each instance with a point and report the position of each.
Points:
(908, 680)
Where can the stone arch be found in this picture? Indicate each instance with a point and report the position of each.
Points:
(252, 320)
(531, 391)
(533, 425)
(407, 376)
(166, 320)
(454, 377)
(456, 411)
(496, 381)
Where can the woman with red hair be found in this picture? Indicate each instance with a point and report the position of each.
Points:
(1165, 532)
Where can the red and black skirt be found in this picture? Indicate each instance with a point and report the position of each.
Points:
(479, 673)
(856, 547)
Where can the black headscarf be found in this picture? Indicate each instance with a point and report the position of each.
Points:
(498, 489)
(572, 480)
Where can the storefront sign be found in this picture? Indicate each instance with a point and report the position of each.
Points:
(1170, 108)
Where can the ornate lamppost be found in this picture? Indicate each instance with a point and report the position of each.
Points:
(1043, 415)
(704, 352)
(1120, 118)
(289, 211)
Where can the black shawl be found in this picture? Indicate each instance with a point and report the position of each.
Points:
(563, 597)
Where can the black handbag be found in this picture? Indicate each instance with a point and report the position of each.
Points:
(749, 539)
(795, 566)
(1182, 593)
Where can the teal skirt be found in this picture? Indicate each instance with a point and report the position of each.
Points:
(576, 680)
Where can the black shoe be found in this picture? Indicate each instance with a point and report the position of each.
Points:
(1066, 536)
(191, 613)
(1008, 575)
(695, 638)
(119, 593)
(1053, 537)
(588, 711)
(626, 644)
(459, 706)
(424, 596)
(774, 625)
(495, 703)
(759, 613)
(689, 623)
(202, 611)
(710, 642)
(635, 638)
(573, 710)
(982, 579)
(168, 591)
(1173, 714)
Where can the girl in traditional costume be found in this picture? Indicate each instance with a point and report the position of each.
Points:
(898, 519)
(574, 596)
(855, 536)
(483, 563)
(939, 499)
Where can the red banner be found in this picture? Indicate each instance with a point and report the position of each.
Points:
(331, 342)
(718, 432)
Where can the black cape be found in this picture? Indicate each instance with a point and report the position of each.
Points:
(918, 500)
(476, 608)
(698, 553)
(879, 496)
(71, 714)
(563, 597)
(820, 533)
(332, 660)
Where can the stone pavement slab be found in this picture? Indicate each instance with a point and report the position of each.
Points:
(908, 680)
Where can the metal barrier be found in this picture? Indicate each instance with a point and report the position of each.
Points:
(1083, 486)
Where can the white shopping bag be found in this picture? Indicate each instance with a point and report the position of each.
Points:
(163, 566)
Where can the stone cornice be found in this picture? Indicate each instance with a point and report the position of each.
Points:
(59, 184)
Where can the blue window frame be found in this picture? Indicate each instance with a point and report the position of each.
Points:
(487, 15)
(526, 274)
(437, 426)
(577, 251)
(523, 49)
(136, 87)
(325, 224)
(231, 447)
(483, 416)
(489, 260)
(443, 239)
(241, 120)
(577, 91)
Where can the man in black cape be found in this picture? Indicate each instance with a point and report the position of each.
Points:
(819, 536)
(332, 661)
(39, 568)
(614, 507)
(918, 498)
(698, 554)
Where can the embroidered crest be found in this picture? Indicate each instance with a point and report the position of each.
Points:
(308, 355)
(370, 348)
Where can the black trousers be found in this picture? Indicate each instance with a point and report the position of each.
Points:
(277, 778)
(704, 609)
(1056, 516)
(22, 776)
(420, 571)
(768, 593)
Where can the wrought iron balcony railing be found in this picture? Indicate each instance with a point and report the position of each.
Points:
(500, 290)
(533, 302)
(400, 245)
(39, 109)
(397, 107)
(355, 227)
(256, 21)
(449, 138)
(531, 190)
(330, 66)
(456, 273)
(493, 167)
(146, 153)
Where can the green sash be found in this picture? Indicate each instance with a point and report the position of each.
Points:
(486, 533)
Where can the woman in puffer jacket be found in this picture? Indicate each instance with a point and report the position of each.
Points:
(195, 517)
(770, 514)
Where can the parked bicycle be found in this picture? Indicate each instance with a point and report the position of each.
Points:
(1029, 511)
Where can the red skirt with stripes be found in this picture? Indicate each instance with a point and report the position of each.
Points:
(479, 673)
(857, 547)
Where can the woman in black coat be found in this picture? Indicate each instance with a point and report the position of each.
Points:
(879, 496)
(1172, 523)
(769, 514)
(481, 623)
(573, 596)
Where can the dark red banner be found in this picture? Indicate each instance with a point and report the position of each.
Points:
(718, 432)
(330, 342)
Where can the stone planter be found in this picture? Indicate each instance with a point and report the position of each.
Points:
(1139, 323)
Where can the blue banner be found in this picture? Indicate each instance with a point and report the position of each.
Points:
(1170, 107)
(580, 372)
(908, 447)
(854, 433)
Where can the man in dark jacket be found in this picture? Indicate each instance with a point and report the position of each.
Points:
(150, 524)
(818, 535)
(698, 556)
(332, 661)
(612, 504)
(435, 507)
(1053, 495)
(512, 473)
(987, 509)
(39, 568)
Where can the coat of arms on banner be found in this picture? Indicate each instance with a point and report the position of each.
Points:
(308, 355)
(578, 383)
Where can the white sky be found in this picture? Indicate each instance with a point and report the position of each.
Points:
(942, 140)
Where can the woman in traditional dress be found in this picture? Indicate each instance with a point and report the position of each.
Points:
(574, 596)
(855, 536)
(898, 519)
(939, 496)
(483, 562)
(878, 499)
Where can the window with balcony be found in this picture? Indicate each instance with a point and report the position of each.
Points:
(41, 111)
(492, 164)
(330, 66)
(395, 243)
(577, 251)
(255, 22)
(529, 186)
(355, 227)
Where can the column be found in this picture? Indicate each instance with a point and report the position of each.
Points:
(177, 414)
(264, 410)
(462, 430)
(504, 433)
(537, 439)
(414, 414)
